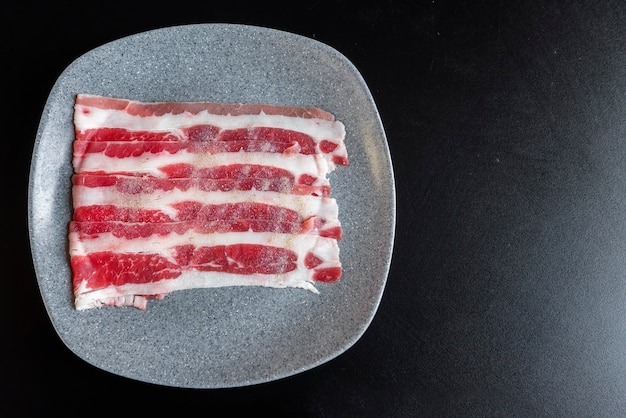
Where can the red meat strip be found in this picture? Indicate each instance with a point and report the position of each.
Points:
(120, 143)
(124, 128)
(124, 276)
(222, 178)
(162, 108)
(129, 222)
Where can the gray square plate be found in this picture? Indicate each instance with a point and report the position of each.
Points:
(211, 338)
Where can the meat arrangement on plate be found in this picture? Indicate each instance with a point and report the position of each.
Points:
(181, 195)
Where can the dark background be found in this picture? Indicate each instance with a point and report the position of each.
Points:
(506, 296)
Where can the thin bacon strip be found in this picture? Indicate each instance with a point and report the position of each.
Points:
(238, 165)
(141, 269)
(163, 108)
(279, 129)
(134, 184)
(128, 222)
(119, 142)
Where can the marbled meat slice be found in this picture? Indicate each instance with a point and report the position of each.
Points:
(120, 128)
(275, 172)
(173, 196)
(119, 271)
(108, 210)
(226, 178)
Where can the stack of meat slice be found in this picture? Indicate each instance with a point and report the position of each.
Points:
(171, 195)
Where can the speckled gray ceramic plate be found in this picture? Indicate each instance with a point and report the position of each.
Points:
(227, 337)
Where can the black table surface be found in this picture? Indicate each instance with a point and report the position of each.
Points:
(506, 295)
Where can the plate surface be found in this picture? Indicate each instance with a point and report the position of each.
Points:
(212, 338)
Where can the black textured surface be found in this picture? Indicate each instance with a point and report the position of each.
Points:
(506, 122)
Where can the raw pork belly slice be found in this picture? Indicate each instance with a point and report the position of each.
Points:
(122, 128)
(99, 210)
(143, 268)
(181, 195)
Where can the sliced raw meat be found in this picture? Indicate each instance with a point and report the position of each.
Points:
(147, 268)
(183, 205)
(238, 165)
(99, 210)
(218, 178)
(163, 108)
(118, 142)
(136, 184)
(173, 196)
(306, 130)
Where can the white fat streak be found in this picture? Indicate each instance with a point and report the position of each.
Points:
(304, 205)
(297, 164)
(325, 248)
(87, 117)
(85, 299)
